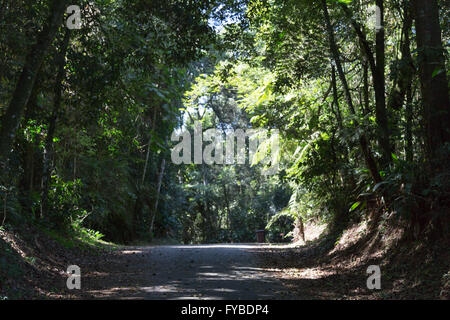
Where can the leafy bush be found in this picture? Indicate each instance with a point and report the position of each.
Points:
(64, 197)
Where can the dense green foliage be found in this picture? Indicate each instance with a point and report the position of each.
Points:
(87, 115)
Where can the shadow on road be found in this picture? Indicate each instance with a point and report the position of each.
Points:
(224, 271)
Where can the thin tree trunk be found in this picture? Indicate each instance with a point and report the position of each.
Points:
(13, 115)
(370, 162)
(380, 93)
(409, 123)
(366, 87)
(335, 97)
(349, 175)
(158, 190)
(28, 158)
(48, 152)
(148, 147)
(407, 79)
(300, 229)
(227, 204)
(377, 66)
(405, 71)
(4, 208)
(138, 207)
(74, 167)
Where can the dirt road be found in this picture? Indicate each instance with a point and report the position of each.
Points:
(223, 271)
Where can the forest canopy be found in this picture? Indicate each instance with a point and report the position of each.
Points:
(358, 91)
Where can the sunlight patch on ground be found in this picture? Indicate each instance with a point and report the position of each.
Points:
(228, 246)
(231, 246)
(312, 232)
(132, 251)
(161, 289)
(306, 273)
(197, 298)
(350, 237)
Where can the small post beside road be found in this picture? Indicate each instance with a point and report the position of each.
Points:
(260, 236)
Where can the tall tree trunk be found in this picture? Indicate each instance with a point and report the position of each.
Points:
(377, 66)
(30, 148)
(158, 191)
(370, 162)
(48, 152)
(347, 175)
(335, 97)
(141, 197)
(300, 229)
(150, 139)
(13, 115)
(406, 80)
(227, 205)
(409, 122)
(366, 87)
(380, 85)
(433, 78)
(405, 70)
